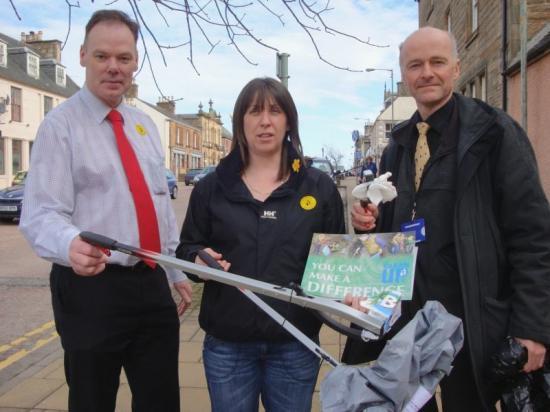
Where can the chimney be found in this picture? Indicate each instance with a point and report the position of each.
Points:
(132, 92)
(167, 104)
(47, 49)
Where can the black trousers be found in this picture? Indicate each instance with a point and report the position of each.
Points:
(124, 317)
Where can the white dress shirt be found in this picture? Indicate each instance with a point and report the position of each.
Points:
(76, 181)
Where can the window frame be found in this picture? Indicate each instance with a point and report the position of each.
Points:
(46, 109)
(474, 15)
(33, 66)
(16, 104)
(3, 54)
(483, 86)
(2, 155)
(60, 80)
(16, 144)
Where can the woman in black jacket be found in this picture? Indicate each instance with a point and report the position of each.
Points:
(256, 214)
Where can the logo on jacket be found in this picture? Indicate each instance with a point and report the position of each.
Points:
(269, 214)
(308, 202)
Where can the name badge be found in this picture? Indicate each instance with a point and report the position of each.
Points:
(417, 226)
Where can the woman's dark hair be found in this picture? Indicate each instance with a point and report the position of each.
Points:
(112, 15)
(259, 91)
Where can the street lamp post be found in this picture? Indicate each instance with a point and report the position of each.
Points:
(371, 69)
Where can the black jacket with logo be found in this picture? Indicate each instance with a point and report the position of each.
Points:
(268, 241)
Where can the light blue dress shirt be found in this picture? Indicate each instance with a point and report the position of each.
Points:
(76, 181)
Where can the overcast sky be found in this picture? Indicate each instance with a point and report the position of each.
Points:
(328, 100)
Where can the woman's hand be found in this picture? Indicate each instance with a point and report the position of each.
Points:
(218, 256)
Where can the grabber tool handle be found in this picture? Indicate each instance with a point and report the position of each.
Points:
(99, 240)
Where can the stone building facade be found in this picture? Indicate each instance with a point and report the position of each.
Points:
(210, 125)
(32, 82)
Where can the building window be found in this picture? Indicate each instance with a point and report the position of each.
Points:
(449, 25)
(474, 11)
(15, 104)
(33, 68)
(3, 54)
(2, 156)
(48, 104)
(483, 87)
(60, 78)
(177, 135)
(472, 87)
(16, 151)
(187, 138)
(388, 130)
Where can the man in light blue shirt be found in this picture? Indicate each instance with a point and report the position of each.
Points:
(111, 312)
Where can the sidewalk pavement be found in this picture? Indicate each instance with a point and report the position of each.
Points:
(43, 389)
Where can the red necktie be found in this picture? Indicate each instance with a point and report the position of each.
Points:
(145, 209)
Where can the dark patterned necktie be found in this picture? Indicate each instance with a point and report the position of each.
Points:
(422, 153)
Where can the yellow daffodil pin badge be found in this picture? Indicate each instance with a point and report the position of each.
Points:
(296, 165)
(308, 202)
(142, 131)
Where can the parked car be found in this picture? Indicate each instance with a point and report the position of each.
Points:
(19, 177)
(204, 172)
(11, 200)
(323, 165)
(191, 173)
(172, 183)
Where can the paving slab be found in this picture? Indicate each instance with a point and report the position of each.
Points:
(30, 392)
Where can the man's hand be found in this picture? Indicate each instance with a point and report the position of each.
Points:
(535, 354)
(364, 219)
(185, 291)
(85, 259)
(218, 256)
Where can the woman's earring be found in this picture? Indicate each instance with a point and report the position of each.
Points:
(288, 137)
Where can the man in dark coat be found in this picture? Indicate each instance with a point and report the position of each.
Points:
(486, 255)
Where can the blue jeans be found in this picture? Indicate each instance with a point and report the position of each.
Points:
(284, 374)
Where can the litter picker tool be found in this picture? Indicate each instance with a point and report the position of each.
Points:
(372, 325)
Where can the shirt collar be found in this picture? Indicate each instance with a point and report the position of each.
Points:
(97, 109)
(440, 119)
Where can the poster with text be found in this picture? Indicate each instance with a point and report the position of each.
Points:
(364, 265)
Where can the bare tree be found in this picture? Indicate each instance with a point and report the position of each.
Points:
(203, 18)
(334, 155)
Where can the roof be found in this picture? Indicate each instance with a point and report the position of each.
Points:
(171, 116)
(404, 107)
(46, 82)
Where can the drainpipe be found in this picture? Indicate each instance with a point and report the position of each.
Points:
(504, 48)
(523, 61)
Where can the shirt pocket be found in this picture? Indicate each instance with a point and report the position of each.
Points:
(153, 170)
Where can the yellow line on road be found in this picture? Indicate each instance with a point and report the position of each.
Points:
(24, 338)
(24, 352)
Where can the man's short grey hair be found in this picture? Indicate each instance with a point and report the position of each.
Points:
(452, 38)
